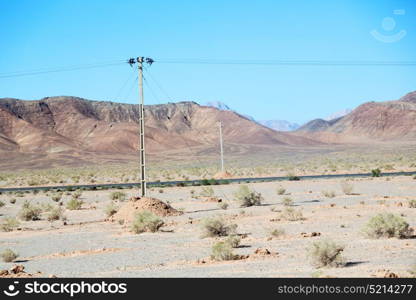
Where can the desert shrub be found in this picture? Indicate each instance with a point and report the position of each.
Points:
(146, 221)
(222, 251)
(9, 224)
(216, 226)
(77, 194)
(328, 194)
(277, 232)
(207, 191)
(56, 197)
(111, 209)
(29, 212)
(121, 196)
(376, 173)
(291, 214)
(233, 241)
(161, 191)
(8, 255)
(281, 191)
(223, 205)
(55, 214)
(412, 203)
(12, 200)
(326, 253)
(387, 225)
(247, 197)
(287, 201)
(1, 204)
(74, 204)
(347, 187)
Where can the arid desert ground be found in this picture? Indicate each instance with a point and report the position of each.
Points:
(86, 242)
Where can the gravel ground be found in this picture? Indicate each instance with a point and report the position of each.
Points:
(90, 246)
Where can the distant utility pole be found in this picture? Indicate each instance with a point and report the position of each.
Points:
(142, 162)
(221, 147)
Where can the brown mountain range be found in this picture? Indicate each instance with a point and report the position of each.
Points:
(73, 125)
(372, 121)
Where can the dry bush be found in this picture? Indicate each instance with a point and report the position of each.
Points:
(223, 205)
(233, 241)
(347, 187)
(9, 224)
(247, 197)
(387, 225)
(120, 196)
(55, 214)
(412, 203)
(281, 190)
(146, 221)
(326, 253)
(207, 191)
(1, 204)
(222, 251)
(8, 255)
(111, 209)
(56, 197)
(291, 214)
(277, 232)
(287, 201)
(74, 204)
(216, 226)
(328, 194)
(30, 212)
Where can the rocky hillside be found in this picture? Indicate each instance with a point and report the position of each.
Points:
(389, 120)
(70, 124)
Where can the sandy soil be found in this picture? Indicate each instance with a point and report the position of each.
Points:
(88, 245)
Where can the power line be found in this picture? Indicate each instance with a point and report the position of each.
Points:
(286, 62)
(59, 69)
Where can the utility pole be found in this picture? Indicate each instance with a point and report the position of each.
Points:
(142, 154)
(221, 147)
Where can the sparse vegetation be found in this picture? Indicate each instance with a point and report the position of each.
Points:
(1, 204)
(347, 187)
(247, 197)
(9, 255)
(57, 197)
(12, 200)
(376, 172)
(326, 253)
(30, 212)
(223, 205)
(412, 203)
(146, 221)
(120, 196)
(216, 226)
(387, 225)
(277, 232)
(287, 201)
(222, 251)
(207, 191)
(233, 240)
(111, 209)
(74, 204)
(281, 191)
(328, 194)
(55, 214)
(9, 224)
(291, 214)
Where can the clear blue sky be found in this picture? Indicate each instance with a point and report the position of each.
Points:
(45, 34)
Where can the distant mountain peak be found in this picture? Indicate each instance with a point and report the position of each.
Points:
(338, 114)
(218, 104)
(279, 125)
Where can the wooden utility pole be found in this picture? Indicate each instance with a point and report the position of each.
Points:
(142, 155)
(221, 147)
